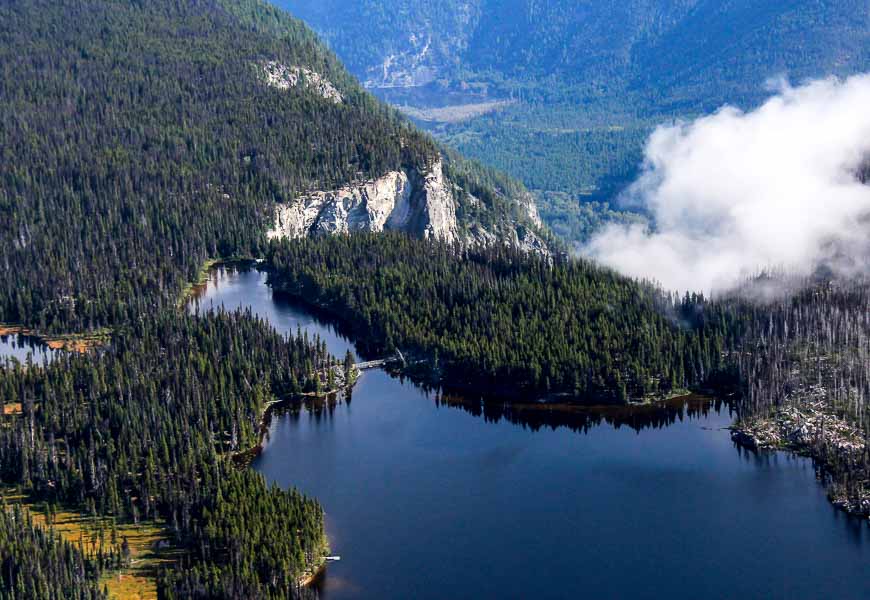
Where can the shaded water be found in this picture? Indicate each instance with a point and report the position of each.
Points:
(430, 497)
(18, 347)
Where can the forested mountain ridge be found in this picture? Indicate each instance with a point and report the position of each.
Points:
(662, 48)
(154, 135)
(566, 93)
(139, 139)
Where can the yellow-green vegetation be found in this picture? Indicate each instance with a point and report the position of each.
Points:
(12, 408)
(145, 546)
(79, 342)
(190, 288)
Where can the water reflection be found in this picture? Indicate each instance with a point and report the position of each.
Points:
(430, 494)
(24, 349)
(536, 416)
(240, 286)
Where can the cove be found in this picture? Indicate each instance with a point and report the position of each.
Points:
(432, 497)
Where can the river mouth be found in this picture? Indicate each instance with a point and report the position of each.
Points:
(431, 495)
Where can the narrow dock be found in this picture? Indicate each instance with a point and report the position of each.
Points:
(371, 364)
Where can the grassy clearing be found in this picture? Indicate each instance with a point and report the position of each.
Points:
(12, 408)
(149, 548)
(79, 342)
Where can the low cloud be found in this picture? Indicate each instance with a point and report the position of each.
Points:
(736, 193)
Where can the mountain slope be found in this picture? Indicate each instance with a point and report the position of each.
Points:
(153, 136)
(615, 45)
(562, 94)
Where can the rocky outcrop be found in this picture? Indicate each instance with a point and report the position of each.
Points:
(420, 204)
(411, 67)
(284, 77)
(813, 429)
(802, 428)
(530, 207)
(423, 204)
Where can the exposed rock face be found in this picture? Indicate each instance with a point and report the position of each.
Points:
(410, 67)
(528, 204)
(284, 77)
(418, 204)
(421, 204)
(432, 211)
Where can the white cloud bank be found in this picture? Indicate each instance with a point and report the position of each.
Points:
(737, 192)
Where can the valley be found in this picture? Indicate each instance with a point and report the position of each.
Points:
(264, 335)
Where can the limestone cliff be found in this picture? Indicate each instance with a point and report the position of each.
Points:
(284, 77)
(417, 203)
(421, 203)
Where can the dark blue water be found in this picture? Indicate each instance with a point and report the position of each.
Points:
(22, 348)
(432, 498)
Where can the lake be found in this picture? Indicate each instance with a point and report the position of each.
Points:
(434, 497)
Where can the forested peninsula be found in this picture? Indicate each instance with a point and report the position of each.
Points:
(514, 324)
(511, 326)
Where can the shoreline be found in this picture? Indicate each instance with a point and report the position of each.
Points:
(242, 459)
(69, 342)
(312, 575)
(192, 289)
(814, 431)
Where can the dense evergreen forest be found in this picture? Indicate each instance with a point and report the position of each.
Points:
(35, 563)
(144, 430)
(143, 140)
(138, 142)
(506, 322)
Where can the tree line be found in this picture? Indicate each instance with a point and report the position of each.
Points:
(506, 322)
(809, 352)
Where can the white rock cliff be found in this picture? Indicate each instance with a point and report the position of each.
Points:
(284, 77)
(420, 205)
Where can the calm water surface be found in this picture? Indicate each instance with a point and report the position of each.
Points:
(429, 498)
(19, 347)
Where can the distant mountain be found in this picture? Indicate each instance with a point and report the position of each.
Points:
(692, 49)
(563, 93)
